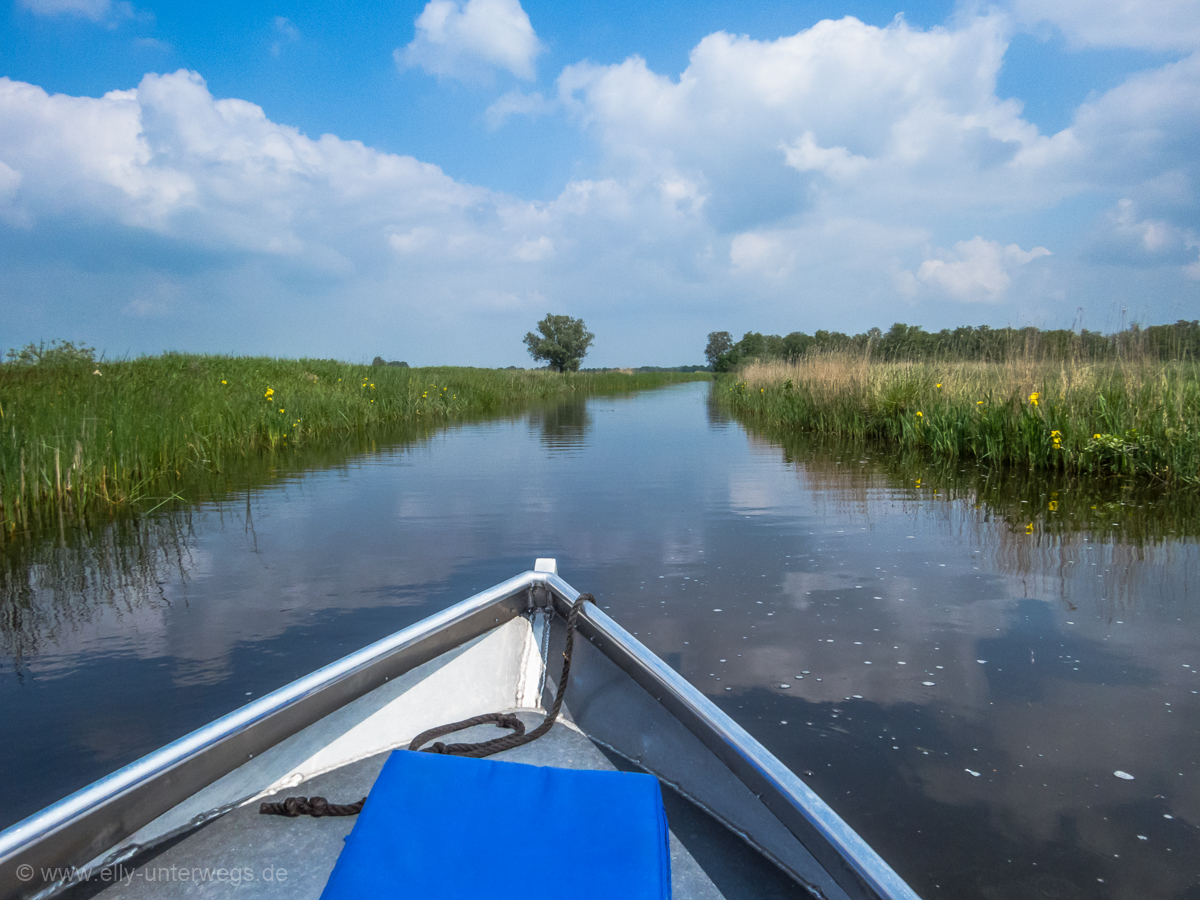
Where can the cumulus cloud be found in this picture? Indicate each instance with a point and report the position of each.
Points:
(236, 209)
(765, 254)
(169, 158)
(469, 40)
(1160, 25)
(885, 116)
(804, 177)
(976, 270)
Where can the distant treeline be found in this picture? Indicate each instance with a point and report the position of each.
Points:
(911, 342)
(687, 370)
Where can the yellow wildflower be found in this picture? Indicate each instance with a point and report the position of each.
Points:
(282, 410)
(223, 381)
(979, 403)
(1033, 398)
(1095, 437)
(939, 384)
(1029, 528)
(921, 415)
(1053, 505)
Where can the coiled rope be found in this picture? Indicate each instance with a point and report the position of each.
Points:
(319, 806)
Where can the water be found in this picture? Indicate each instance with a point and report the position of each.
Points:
(960, 690)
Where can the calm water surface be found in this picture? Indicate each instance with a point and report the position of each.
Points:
(961, 691)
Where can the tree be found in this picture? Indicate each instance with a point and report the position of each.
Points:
(563, 342)
(719, 343)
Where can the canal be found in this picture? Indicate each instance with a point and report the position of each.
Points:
(994, 681)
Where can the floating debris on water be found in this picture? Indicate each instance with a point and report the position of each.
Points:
(929, 683)
(971, 772)
(1124, 776)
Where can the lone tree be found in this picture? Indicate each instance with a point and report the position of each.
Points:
(719, 343)
(562, 342)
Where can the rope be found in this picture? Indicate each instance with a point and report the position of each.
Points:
(508, 741)
(314, 806)
(319, 806)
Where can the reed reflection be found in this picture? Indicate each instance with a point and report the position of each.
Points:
(51, 585)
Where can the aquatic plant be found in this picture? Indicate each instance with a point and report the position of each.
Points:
(1136, 416)
(117, 433)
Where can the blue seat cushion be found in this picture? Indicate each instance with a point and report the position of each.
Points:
(451, 828)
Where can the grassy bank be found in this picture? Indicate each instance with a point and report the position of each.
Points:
(113, 434)
(1139, 417)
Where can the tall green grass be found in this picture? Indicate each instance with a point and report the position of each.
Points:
(111, 434)
(1139, 417)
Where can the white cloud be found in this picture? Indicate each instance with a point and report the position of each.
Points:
(794, 183)
(169, 158)
(836, 162)
(766, 254)
(88, 9)
(516, 103)
(1156, 25)
(873, 117)
(977, 270)
(468, 40)
(1151, 235)
(104, 12)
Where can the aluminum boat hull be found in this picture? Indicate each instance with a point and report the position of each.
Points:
(498, 650)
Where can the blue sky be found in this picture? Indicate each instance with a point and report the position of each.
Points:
(424, 181)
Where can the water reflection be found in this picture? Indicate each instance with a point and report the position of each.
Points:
(50, 588)
(563, 427)
(959, 686)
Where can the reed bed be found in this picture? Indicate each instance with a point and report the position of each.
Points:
(1134, 417)
(112, 434)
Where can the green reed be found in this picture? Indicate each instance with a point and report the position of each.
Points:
(1136, 417)
(118, 433)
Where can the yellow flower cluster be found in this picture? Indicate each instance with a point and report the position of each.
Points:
(1033, 398)
(270, 394)
(1057, 436)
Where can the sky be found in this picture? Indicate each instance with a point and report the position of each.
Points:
(425, 181)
